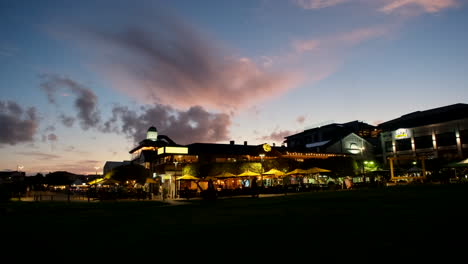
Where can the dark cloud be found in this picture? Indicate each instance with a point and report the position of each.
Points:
(193, 125)
(52, 137)
(17, 125)
(50, 128)
(85, 101)
(67, 121)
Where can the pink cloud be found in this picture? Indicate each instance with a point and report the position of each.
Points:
(300, 119)
(351, 38)
(317, 4)
(178, 65)
(428, 6)
(278, 136)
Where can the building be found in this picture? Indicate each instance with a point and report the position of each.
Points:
(439, 133)
(353, 138)
(167, 159)
(159, 154)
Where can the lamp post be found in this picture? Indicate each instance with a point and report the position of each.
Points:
(364, 164)
(175, 179)
(262, 155)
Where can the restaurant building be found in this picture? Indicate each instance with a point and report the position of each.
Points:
(439, 133)
(356, 139)
(166, 159)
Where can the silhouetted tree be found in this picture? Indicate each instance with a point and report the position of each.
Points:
(60, 178)
(130, 172)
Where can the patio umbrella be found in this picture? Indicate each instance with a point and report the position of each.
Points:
(150, 180)
(296, 171)
(249, 173)
(103, 181)
(96, 181)
(274, 172)
(316, 170)
(187, 177)
(463, 163)
(225, 175)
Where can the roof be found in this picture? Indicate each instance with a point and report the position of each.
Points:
(427, 117)
(228, 149)
(162, 141)
(340, 128)
(317, 144)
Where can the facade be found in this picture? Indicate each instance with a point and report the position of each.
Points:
(355, 138)
(440, 133)
(161, 155)
(166, 159)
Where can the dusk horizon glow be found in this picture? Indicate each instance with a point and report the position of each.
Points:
(82, 81)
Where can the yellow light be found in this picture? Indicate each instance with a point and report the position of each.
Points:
(176, 150)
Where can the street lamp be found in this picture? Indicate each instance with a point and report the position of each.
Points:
(97, 168)
(175, 179)
(262, 155)
(19, 168)
(364, 164)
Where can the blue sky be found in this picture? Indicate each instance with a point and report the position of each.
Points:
(81, 81)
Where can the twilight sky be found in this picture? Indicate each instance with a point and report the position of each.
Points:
(81, 81)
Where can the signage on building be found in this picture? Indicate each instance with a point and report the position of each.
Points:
(173, 150)
(353, 148)
(402, 133)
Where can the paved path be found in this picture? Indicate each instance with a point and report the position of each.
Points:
(170, 202)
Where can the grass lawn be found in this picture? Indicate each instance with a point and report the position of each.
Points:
(418, 217)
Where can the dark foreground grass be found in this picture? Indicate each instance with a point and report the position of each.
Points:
(419, 219)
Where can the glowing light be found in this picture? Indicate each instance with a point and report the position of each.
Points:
(173, 150)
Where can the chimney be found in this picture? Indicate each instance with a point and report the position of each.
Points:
(274, 144)
(245, 143)
(231, 142)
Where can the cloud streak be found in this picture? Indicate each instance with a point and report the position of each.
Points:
(408, 7)
(339, 41)
(428, 6)
(318, 4)
(17, 124)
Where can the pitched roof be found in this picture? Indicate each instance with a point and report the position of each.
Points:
(162, 141)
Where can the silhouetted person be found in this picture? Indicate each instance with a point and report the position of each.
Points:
(211, 191)
(254, 187)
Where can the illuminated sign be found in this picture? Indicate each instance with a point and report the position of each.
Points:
(266, 147)
(402, 133)
(354, 148)
(173, 150)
